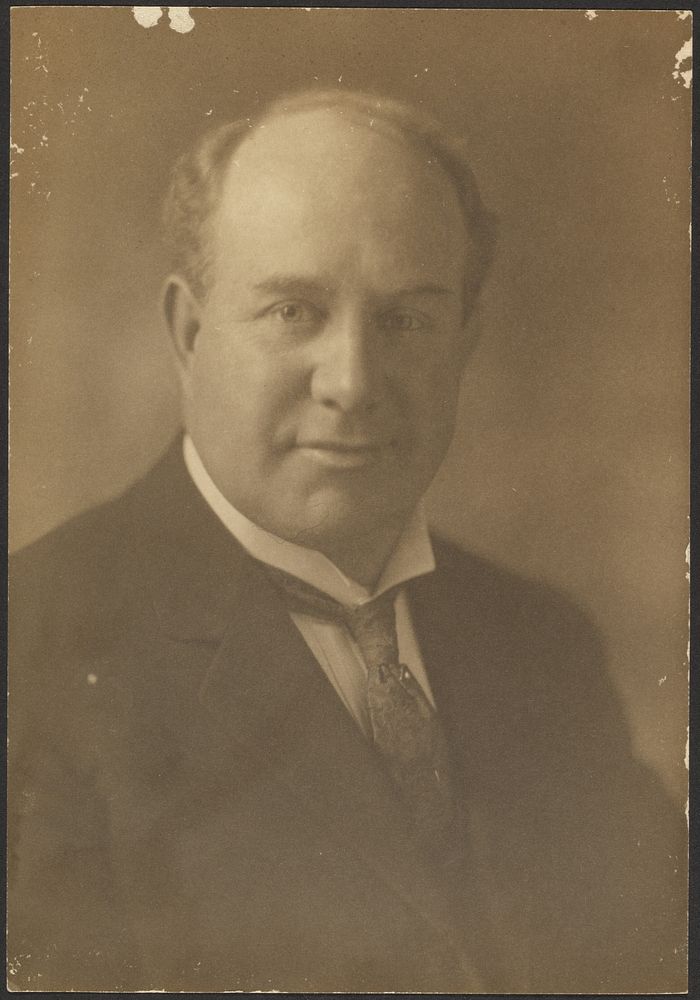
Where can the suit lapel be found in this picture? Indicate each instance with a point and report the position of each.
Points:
(456, 643)
(451, 617)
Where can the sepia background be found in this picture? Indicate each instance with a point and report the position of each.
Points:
(570, 459)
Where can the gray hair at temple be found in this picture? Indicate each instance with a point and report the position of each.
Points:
(193, 196)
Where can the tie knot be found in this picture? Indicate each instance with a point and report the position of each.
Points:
(372, 625)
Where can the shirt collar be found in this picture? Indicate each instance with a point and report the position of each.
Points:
(412, 556)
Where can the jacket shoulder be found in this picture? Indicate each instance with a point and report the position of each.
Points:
(536, 648)
(68, 577)
(87, 566)
(501, 595)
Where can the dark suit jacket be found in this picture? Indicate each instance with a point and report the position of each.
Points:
(193, 809)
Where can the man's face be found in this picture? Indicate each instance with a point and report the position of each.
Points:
(321, 386)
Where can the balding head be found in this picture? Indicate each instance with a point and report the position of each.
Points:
(192, 201)
(315, 184)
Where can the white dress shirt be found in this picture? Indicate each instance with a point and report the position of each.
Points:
(331, 642)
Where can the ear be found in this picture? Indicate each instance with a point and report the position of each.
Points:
(182, 316)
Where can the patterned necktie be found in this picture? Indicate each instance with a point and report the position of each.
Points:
(406, 731)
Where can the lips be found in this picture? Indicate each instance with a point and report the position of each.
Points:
(342, 454)
(343, 446)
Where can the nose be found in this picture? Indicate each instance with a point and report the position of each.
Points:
(347, 370)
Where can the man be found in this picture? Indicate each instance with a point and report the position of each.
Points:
(265, 733)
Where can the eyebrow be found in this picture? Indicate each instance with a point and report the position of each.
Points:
(429, 289)
(290, 284)
(282, 284)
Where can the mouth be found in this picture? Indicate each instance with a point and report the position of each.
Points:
(343, 454)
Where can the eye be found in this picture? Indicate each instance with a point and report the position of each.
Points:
(404, 321)
(295, 313)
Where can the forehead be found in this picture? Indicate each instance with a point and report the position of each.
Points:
(327, 183)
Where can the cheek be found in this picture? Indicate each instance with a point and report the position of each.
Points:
(234, 382)
(434, 386)
(213, 384)
(434, 397)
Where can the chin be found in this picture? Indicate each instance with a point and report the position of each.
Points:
(334, 517)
